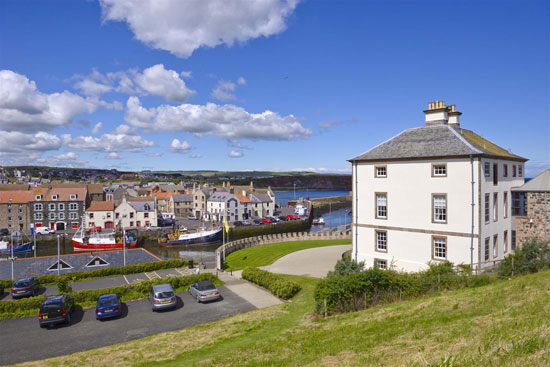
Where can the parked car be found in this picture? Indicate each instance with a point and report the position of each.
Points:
(237, 223)
(290, 217)
(283, 218)
(265, 220)
(107, 306)
(27, 287)
(246, 222)
(273, 219)
(257, 222)
(204, 291)
(192, 217)
(162, 296)
(153, 228)
(44, 230)
(4, 232)
(56, 310)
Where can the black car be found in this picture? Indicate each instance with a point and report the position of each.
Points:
(237, 223)
(4, 232)
(282, 218)
(56, 310)
(257, 222)
(27, 287)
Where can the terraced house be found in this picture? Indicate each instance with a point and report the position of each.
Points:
(433, 193)
(58, 208)
(14, 210)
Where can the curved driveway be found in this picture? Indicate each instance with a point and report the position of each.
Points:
(313, 262)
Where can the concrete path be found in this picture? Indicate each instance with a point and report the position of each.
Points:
(313, 262)
(253, 294)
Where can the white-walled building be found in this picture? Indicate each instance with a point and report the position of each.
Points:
(100, 214)
(136, 214)
(433, 193)
(225, 205)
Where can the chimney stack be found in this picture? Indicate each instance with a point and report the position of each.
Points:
(440, 114)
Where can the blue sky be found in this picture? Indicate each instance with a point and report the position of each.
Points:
(271, 85)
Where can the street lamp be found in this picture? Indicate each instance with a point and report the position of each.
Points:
(294, 190)
(58, 259)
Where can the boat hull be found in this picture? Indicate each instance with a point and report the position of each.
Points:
(18, 249)
(83, 247)
(199, 240)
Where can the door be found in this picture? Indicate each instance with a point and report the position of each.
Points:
(60, 226)
(52, 226)
(109, 225)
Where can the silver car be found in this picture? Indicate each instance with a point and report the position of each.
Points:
(204, 291)
(162, 297)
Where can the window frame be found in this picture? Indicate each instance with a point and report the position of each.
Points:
(446, 208)
(73, 206)
(434, 165)
(514, 170)
(520, 170)
(376, 194)
(504, 170)
(505, 204)
(376, 175)
(487, 249)
(375, 265)
(505, 241)
(376, 248)
(437, 238)
(495, 207)
(38, 207)
(487, 211)
(495, 246)
(487, 169)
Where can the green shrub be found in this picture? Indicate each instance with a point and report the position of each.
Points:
(347, 266)
(533, 256)
(277, 285)
(63, 286)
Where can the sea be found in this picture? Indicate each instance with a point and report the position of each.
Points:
(283, 197)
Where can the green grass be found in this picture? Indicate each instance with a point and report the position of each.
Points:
(503, 324)
(267, 254)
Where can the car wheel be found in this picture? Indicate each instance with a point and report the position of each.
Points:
(43, 326)
(198, 299)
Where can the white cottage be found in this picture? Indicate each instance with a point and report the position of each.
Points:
(434, 193)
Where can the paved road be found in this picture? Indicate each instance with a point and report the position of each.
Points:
(313, 262)
(85, 332)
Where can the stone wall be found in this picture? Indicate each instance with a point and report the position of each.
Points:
(537, 222)
(274, 238)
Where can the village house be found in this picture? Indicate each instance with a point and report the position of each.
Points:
(531, 210)
(136, 214)
(58, 208)
(224, 205)
(100, 214)
(434, 193)
(14, 210)
(163, 201)
(181, 205)
(95, 192)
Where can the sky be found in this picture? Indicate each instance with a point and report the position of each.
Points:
(263, 85)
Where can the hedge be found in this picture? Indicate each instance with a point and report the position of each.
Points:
(88, 297)
(277, 285)
(360, 290)
(104, 272)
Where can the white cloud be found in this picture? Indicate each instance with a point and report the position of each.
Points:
(110, 142)
(224, 91)
(195, 156)
(186, 74)
(22, 143)
(96, 128)
(181, 27)
(179, 147)
(125, 129)
(165, 83)
(225, 121)
(65, 157)
(155, 154)
(24, 108)
(113, 155)
(237, 144)
(235, 154)
(241, 81)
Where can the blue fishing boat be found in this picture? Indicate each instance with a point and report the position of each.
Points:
(5, 248)
(197, 238)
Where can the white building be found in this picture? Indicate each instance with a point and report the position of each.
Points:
(433, 193)
(136, 214)
(224, 205)
(100, 214)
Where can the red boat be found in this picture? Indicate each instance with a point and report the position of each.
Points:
(101, 241)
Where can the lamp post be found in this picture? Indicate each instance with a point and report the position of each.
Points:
(294, 190)
(58, 257)
(12, 258)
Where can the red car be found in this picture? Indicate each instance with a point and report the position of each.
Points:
(290, 217)
(265, 220)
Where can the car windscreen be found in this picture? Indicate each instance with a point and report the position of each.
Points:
(166, 294)
(107, 302)
(51, 307)
(21, 284)
(204, 286)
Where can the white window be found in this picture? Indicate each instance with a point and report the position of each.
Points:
(486, 257)
(51, 216)
(38, 216)
(520, 171)
(487, 210)
(505, 205)
(51, 207)
(505, 171)
(38, 197)
(55, 197)
(73, 215)
(38, 207)
(440, 208)
(73, 206)
(381, 241)
(381, 171)
(61, 206)
(439, 170)
(487, 169)
(514, 170)
(380, 264)
(61, 216)
(381, 206)
(495, 246)
(495, 206)
(72, 197)
(439, 248)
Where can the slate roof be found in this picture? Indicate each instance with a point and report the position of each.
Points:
(541, 183)
(139, 206)
(435, 141)
(220, 196)
(263, 198)
(27, 267)
(182, 198)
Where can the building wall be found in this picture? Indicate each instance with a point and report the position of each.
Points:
(409, 186)
(99, 218)
(14, 217)
(126, 214)
(70, 213)
(537, 222)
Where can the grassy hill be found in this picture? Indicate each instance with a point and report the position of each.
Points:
(503, 324)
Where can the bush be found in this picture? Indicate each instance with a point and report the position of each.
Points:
(347, 266)
(63, 285)
(532, 257)
(277, 285)
(105, 272)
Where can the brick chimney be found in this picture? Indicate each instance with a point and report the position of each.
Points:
(440, 114)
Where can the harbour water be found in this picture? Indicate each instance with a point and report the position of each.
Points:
(334, 219)
(283, 197)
